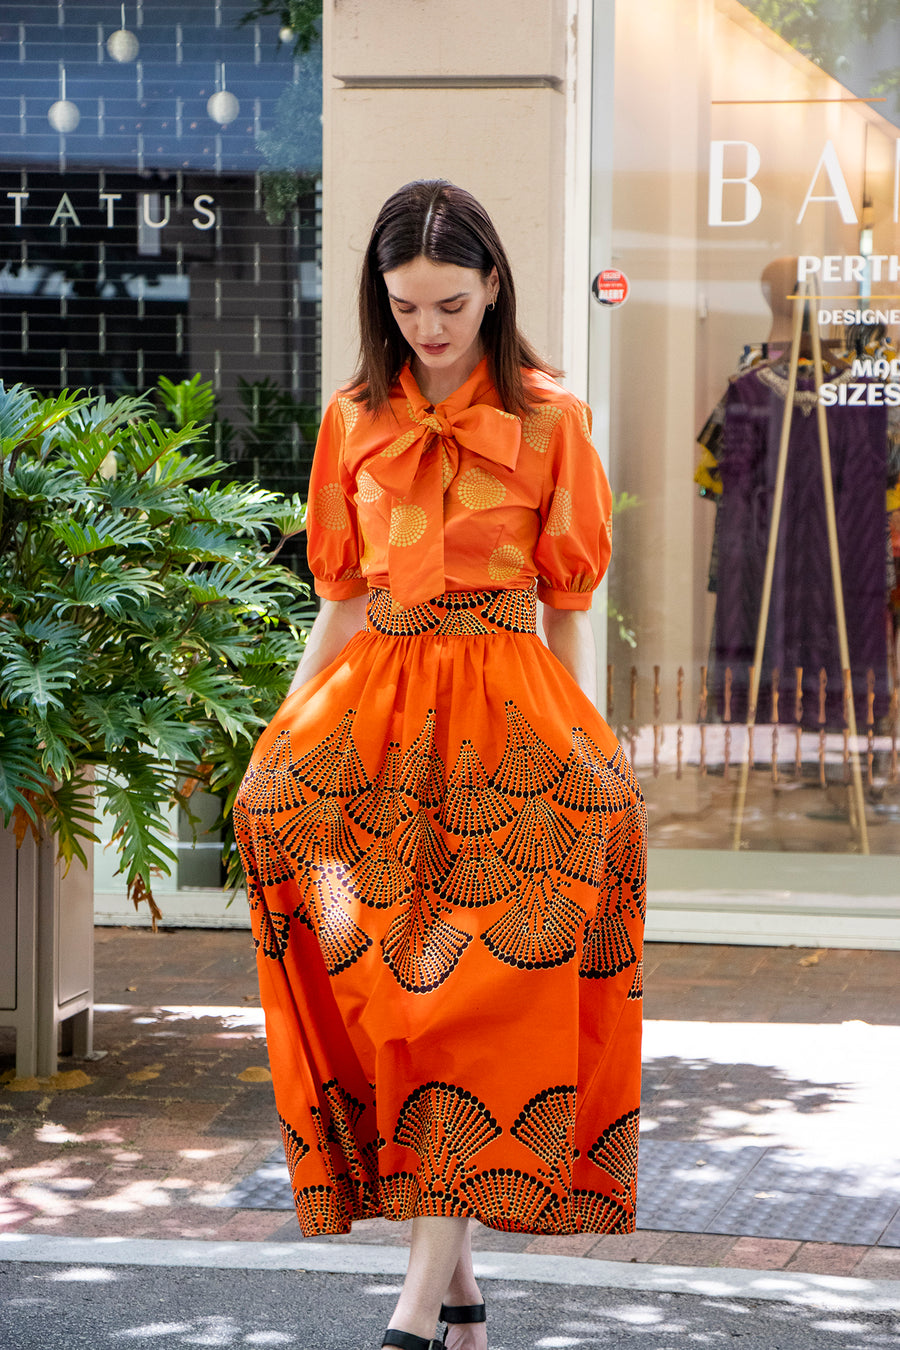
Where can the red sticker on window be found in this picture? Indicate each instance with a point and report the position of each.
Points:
(610, 287)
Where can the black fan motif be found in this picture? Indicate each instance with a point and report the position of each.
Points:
(616, 1151)
(421, 768)
(528, 767)
(445, 1126)
(540, 929)
(508, 1199)
(333, 768)
(272, 787)
(546, 1125)
(607, 949)
(479, 875)
(421, 947)
(472, 807)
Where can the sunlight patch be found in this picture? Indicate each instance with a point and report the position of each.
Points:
(83, 1275)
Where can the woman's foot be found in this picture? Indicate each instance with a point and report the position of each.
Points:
(466, 1329)
(405, 1340)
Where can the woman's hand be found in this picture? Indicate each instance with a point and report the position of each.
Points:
(571, 640)
(336, 623)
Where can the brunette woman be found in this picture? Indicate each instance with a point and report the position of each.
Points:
(444, 843)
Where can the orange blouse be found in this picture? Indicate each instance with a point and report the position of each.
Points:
(460, 496)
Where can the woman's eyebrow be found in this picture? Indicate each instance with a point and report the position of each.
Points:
(460, 295)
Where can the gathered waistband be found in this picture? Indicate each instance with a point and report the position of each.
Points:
(455, 613)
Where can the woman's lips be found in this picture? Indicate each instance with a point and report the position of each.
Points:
(434, 349)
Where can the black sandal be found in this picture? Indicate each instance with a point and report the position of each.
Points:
(407, 1341)
(471, 1312)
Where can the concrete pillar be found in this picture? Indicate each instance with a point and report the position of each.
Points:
(482, 94)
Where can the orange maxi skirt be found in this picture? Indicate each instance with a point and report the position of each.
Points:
(445, 854)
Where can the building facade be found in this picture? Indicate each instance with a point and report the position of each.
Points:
(691, 198)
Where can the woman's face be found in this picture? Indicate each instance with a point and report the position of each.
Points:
(439, 308)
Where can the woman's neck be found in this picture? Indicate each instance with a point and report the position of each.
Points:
(437, 384)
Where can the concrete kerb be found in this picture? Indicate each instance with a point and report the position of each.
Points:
(835, 1292)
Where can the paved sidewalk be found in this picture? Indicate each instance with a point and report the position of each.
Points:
(767, 1108)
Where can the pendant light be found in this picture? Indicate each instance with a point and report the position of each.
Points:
(122, 45)
(63, 115)
(222, 106)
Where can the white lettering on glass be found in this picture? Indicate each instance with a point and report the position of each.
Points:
(148, 198)
(202, 205)
(65, 212)
(718, 182)
(19, 198)
(840, 193)
(110, 198)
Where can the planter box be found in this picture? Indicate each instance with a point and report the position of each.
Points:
(47, 958)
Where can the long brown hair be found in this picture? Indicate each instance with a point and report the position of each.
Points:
(434, 219)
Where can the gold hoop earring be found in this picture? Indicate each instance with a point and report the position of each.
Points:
(492, 305)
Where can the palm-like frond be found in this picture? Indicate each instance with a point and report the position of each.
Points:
(139, 826)
(88, 451)
(92, 536)
(191, 540)
(109, 586)
(172, 737)
(109, 718)
(189, 401)
(47, 416)
(291, 516)
(20, 774)
(37, 680)
(69, 810)
(237, 586)
(234, 504)
(149, 443)
(223, 700)
(16, 404)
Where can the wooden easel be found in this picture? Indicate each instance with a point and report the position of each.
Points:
(806, 291)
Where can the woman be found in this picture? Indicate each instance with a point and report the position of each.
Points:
(444, 844)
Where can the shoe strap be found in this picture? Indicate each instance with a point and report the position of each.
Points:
(406, 1340)
(472, 1312)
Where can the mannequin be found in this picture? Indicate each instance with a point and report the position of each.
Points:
(778, 283)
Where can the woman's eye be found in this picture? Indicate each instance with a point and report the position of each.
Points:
(405, 311)
(453, 311)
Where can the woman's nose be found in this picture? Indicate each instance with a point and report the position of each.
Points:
(432, 324)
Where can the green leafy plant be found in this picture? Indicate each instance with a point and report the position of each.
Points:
(146, 633)
(272, 444)
(300, 20)
(843, 37)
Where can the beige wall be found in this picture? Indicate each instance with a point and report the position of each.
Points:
(480, 93)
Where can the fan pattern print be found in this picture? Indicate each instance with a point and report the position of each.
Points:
(422, 879)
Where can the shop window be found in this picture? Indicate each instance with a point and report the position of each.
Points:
(160, 217)
(757, 176)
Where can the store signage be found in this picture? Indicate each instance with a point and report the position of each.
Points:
(156, 211)
(860, 394)
(742, 184)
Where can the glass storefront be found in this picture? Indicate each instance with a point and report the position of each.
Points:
(160, 218)
(755, 172)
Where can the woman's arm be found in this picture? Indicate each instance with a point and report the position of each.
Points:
(571, 640)
(336, 623)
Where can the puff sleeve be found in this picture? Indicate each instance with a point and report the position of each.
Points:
(574, 544)
(333, 537)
